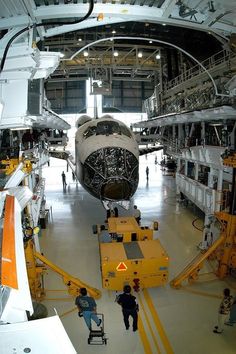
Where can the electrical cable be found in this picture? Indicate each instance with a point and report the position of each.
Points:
(193, 223)
(165, 200)
(35, 25)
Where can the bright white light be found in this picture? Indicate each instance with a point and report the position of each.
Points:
(115, 53)
(164, 24)
(61, 55)
(150, 42)
(85, 53)
(114, 31)
(158, 56)
(140, 54)
(80, 39)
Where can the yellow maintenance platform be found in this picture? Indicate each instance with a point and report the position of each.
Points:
(132, 256)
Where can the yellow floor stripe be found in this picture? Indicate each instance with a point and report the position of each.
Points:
(157, 322)
(149, 325)
(144, 337)
(67, 312)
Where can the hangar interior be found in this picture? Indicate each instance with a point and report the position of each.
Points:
(172, 63)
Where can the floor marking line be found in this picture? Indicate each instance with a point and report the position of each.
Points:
(149, 324)
(67, 312)
(157, 322)
(143, 336)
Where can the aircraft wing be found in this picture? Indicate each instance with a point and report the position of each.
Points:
(45, 335)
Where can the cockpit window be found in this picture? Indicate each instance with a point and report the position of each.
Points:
(90, 131)
(108, 128)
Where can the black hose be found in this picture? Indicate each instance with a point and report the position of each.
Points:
(90, 10)
(193, 223)
(8, 46)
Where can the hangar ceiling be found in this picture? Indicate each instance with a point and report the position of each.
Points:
(174, 21)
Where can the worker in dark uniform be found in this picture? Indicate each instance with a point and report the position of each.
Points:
(63, 176)
(147, 172)
(129, 307)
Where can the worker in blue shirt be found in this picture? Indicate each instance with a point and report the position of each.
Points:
(87, 306)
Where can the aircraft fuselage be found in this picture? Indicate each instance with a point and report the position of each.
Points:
(107, 159)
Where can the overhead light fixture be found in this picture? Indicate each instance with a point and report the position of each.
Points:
(86, 53)
(80, 39)
(115, 53)
(215, 124)
(150, 42)
(21, 128)
(114, 32)
(140, 54)
(158, 56)
(164, 24)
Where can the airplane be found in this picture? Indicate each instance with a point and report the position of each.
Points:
(106, 158)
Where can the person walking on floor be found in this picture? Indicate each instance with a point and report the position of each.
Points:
(147, 172)
(88, 308)
(129, 307)
(224, 310)
(63, 176)
(137, 214)
(232, 314)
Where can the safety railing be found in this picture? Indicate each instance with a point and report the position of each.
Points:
(210, 63)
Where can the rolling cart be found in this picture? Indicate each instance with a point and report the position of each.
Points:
(97, 336)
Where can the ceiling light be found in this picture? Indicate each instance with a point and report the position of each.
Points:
(158, 56)
(115, 53)
(114, 32)
(140, 54)
(164, 24)
(86, 53)
(150, 42)
(80, 39)
(22, 128)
